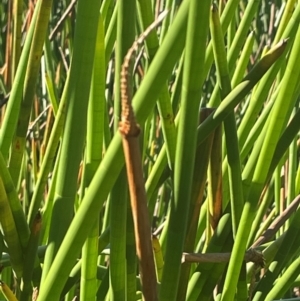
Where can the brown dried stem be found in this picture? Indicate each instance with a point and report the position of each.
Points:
(277, 223)
(130, 130)
(62, 19)
(250, 255)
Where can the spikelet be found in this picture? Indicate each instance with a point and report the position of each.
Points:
(128, 126)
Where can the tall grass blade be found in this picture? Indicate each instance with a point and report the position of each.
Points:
(75, 129)
(193, 78)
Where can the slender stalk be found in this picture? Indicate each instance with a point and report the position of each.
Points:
(118, 210)
(203, 152)
(93, 158)
(17, 35)
(244, 60)
(75, 129)
(32, 72)
(193, 78)
(232, 147)
(118, 197)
